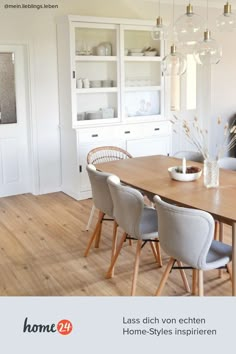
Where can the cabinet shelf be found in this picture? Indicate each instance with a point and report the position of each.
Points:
(97, 90)
(95, 58)
(142, 88)
(143, 58)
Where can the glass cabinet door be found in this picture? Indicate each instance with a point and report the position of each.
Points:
(96, 80)
(142, 79)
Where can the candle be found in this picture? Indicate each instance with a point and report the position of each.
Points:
(184, 165)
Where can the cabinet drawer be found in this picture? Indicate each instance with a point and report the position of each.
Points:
(145, 130)
(97, 134)
(149, 146)
(154, 129)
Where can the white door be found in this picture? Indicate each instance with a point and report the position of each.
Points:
(14, 153)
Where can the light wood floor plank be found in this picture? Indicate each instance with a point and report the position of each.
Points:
(42, 242)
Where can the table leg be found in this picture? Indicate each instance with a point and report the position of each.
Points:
(234, 259)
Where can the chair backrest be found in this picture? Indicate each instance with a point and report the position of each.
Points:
(185, 234)
(190, 155)
(100, 191)
(107, 153)
(229, 163)
(127, 206)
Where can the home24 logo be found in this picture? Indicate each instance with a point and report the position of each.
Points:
(64, 327)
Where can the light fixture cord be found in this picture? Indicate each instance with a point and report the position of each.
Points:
(173, 12)
(207, 16)
(173, 20)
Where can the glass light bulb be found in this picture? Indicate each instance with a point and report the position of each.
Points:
(207, 51)
(174, 64)
(226, 22)
(160, 31)
(188, 27)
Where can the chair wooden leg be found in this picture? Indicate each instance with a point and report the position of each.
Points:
(216, 230)
(229, 271)
(98, 237)
(90, 217)
(221, 231)
(184, 278)
(165, 276)
(155, 253)
(114, 241)
(94, 234)
(136, 267)
(200, 283)
(114, 259)
(194, 282)
(158, 248)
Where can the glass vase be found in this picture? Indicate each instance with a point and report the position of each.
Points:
(211, 173)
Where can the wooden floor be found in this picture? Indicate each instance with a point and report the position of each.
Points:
(42, 240)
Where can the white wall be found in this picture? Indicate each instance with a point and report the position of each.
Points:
(37, 28)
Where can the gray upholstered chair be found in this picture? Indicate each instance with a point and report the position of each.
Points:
(190, 155)
(139, 222)
(103, 202)
(228, 163)
(104, 154)
(187, 235)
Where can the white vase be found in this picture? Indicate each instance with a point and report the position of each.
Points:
(211, 173)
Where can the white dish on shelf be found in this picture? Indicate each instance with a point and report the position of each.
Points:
(106, 83)
(136, 50)
(176, 173)
(136, 54)
(81, 116)
(93, 115)
(95, 83)
(150, 53)
(108, 112)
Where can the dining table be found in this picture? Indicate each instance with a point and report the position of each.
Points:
(150, 174)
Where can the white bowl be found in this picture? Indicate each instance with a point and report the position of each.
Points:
(176, 174)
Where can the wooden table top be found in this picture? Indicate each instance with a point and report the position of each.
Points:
(150, 173)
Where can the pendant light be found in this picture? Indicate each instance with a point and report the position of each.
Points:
(207, 51)
(188, 27)
(174, 64)
(159, 32)
(227, 20)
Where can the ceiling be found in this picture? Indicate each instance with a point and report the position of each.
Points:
(211, 3)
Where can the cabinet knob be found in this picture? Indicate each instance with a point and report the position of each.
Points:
(94, 135)
(156, 128)
(127, 132)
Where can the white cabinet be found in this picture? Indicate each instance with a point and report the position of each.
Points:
(111, 92)
(149, 146)
(148, 139)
